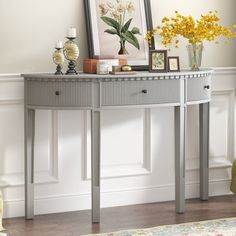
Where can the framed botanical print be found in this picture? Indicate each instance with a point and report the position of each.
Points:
(118, 28)
(158, 61)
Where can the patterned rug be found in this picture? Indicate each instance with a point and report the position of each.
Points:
(221, 227)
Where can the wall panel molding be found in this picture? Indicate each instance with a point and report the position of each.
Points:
(224, 71)
(219, 161)
(229, 96)
(41, 177)
(142, 167)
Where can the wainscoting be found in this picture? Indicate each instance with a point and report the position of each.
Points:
(137, 151)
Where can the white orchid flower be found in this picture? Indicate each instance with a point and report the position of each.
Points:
(110, 5)
(121, 8)
(130, 7)
(115, 15)
(103, 9)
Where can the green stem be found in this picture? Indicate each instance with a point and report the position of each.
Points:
(194, 55)
(123, 22)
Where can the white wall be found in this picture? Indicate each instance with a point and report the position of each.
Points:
(29, 29)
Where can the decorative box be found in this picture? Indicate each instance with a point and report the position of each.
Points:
(90, 66)
(123, 62)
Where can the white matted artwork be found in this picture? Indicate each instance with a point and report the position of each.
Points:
(173, 64)
(118, 28)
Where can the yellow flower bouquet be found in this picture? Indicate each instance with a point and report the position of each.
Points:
(196, 31)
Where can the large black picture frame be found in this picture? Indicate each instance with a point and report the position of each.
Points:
(89, 28)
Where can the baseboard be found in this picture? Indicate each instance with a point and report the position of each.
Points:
(121, 197)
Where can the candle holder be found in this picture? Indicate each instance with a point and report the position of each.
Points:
(58, 59)
(71, 52)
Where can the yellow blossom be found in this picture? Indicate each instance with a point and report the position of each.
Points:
(196, 31)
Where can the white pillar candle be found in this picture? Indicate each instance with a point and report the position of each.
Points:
(71, 33)
(58, 44)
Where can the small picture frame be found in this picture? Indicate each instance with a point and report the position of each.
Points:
(158, 61)
(173, 64)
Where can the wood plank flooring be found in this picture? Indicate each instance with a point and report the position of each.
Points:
(120, 218)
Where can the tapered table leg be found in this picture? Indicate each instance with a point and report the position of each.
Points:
(204, 149)
(29, 162)
(95, 136)
(180, 130)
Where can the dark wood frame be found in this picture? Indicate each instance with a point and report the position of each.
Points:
(178, 64)
(165, 60)
(88, 16)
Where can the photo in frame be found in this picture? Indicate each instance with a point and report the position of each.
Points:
(173, 64)
(158, 61)
(118, 28)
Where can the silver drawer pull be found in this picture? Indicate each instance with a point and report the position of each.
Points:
(144, 91)
(57, 93)
(207, 87)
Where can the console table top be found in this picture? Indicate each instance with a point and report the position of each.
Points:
(137, 76)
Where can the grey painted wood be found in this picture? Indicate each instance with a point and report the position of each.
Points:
(204, 114)
(96, 92)
(140, 92)
(96, 166)
(199, 89)
(180, 123)
(76, 91)
(96, 153)
(29, 163)
(61, 93)
(142, 75)
(180, 136)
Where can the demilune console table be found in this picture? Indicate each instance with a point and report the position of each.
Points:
(99, 92)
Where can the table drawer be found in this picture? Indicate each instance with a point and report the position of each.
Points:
(46, 93)
(118, 93)
(198, 89)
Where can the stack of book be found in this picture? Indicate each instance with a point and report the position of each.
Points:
(90, 65)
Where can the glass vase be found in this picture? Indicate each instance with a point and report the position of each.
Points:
(195, 55)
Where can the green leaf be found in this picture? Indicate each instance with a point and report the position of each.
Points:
(131, 38)
(111, 31)
(111, 22)
(135, 30)
(126, 26)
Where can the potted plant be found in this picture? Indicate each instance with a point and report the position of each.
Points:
(118, 16)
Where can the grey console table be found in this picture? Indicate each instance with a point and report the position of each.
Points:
(96, 93)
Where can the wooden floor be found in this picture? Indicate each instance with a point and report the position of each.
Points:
(119, 218)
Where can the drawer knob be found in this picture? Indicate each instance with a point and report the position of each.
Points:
(144, 91)
(207, 87)
(57, 93)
